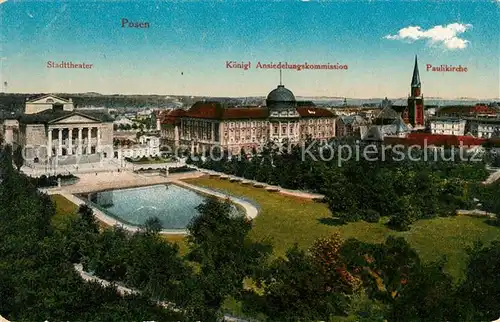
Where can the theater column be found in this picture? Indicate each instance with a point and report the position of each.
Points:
(98, 139)
(79, 147)
(70, 144)
(59, 139)
(89, 140)
(49, 143)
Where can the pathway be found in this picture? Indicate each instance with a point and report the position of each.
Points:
(122, 290)
(493, 177)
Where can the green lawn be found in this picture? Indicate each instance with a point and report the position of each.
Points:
(286, 220)
(65, 211)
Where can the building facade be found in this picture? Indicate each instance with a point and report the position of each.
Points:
(147, 146)
(447, 125)
(350, 125)
(51, 131)
(208, 124)
(480, 127)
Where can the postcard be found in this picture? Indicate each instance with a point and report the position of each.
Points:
(295, 160)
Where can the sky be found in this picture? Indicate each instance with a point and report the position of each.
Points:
(185, 49)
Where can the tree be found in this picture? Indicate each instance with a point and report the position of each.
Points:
(6, 159)
(326, 254)
(107, 257)
(429, 295)
(152, 225)
(18, 157)
(218, 242)
(384, 268)
(404, 214)
(155, 267)
(481, 285)
(37, 278)
(87, 215)
(295, 289)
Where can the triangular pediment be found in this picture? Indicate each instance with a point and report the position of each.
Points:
(48, 99)
(75, 118)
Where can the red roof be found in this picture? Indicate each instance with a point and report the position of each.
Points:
(426, 139)
(211, 110)
(214, 110)
(468, 110)
(172, 116)
(245, 113)
(314, 112)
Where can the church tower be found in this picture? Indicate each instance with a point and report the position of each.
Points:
(416, 100)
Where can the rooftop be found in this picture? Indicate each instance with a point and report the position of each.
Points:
(49, 116)
(214, 110)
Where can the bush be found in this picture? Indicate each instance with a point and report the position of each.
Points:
(51, 181)
(320, 200)
(400, 222)
(180, 169)
(346, 217)
(371, 215)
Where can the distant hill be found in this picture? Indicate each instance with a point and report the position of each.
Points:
(12, 101)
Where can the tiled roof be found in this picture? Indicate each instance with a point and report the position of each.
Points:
(205, 110)
(171, 117)
(314, 112)
(388, 113)
(48, 116)
(214, 110)
(245, 113)
(476, 109)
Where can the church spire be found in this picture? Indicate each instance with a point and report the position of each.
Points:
(415, 80)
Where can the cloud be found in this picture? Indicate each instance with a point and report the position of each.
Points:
(446, 36)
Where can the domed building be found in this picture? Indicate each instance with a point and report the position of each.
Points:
(283, 115)
(210, 123)
(281, 98)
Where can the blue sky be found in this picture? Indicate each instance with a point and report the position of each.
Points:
(185, 49)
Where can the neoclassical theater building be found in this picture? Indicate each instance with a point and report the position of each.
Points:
(51, 128)
(208, 124)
